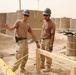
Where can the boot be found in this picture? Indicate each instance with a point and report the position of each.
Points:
(13, 69)
(23, 70)
(48, 69)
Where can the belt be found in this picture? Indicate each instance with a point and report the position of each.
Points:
(18, 39)
(44, 38)
(22, 38)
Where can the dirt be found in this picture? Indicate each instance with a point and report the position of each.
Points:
(8, 49)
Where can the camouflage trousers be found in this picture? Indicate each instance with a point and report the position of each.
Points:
(22, 50)
(45, 46)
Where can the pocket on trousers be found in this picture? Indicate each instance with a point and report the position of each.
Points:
(18, 56)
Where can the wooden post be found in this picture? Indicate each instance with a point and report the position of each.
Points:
(37, 62)
(56, 57)
(73, 71)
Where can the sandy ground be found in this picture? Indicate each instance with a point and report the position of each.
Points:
(8, 49)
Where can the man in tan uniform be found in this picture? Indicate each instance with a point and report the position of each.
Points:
(47, 37)
(22, 27)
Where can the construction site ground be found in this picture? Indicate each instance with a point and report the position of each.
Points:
(8, 50)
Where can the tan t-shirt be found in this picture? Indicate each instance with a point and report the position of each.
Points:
(22, 28)
(48, 28)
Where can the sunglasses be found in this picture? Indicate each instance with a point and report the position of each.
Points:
(26, 15)
(45, 15)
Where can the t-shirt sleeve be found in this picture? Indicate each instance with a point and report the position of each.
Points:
(16, 24)
(53, 29)
(30, 30)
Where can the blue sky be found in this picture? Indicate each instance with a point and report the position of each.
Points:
(59, 8)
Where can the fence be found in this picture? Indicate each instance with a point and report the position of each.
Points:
(54, 56)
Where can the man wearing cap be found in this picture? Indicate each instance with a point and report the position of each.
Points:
(22, 27)
(47, 38)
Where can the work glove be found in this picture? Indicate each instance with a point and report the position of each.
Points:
(50, 48)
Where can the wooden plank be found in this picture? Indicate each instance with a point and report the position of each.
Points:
(37, 62)
(66, 56)
(57, 57)
(73, 71)
(6, 67)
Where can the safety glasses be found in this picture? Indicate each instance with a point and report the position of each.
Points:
(45, 15)
(26, 15)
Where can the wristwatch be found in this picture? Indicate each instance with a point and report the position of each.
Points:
(36, 41)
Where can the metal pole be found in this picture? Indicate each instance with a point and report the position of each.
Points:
(38, 4)
(19, 4)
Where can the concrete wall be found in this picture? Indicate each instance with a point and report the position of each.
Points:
(2, 20)
(65, 23)
(10, 20)
(35, 21)
(73, 24)
(57, 23)
(19, 14)
(53, 19)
